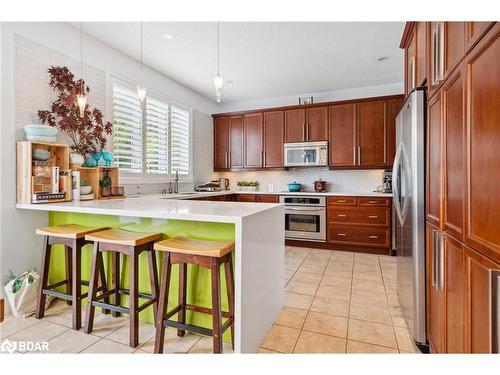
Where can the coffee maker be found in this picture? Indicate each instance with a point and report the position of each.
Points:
(387, 181)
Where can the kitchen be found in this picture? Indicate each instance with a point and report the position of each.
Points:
(352, 214)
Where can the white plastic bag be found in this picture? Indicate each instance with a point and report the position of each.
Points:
(22, 293)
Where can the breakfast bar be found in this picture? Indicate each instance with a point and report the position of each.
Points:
(258, 258)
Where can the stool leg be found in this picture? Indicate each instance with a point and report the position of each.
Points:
(216, 309)
(40, 306)
(69, 276)
(77, 283)
(92, 293)
(116, 281)
(162, 303)
(182, 297)
(228, 270)
(103, 283)
(134, 300)
(153, 279)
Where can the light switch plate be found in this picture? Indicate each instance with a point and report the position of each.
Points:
(271, 188)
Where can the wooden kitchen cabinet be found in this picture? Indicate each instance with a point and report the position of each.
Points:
(482, 72)
(434, 163)
(273, 139)
(221, 143)
(411, 62)
(236, 138)
(371, 134)
(474, 31)
(414, 42)
(295, 125)
(392, 108)
(258, 198)
(454, 45)
(306, 124)
(253, 142)
(342, 135)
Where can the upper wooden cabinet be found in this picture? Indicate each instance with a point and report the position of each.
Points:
(474, 31)
(273, 139)
(392, 108)
(236, 142)
(253, 140)
(414, 42)
(306, 124)
(482, 186)
(221, 143)
(371, 134)
(343, 135)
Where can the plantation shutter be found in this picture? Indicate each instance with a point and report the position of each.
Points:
(180, 142)
(157, 117)
(127, 129)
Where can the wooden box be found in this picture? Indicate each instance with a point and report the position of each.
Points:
(93, 175)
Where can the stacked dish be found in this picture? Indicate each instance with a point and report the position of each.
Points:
(86, 193)
(40, 133)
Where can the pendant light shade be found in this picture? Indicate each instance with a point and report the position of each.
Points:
(81, 98)
(218, 79)
(141, 88)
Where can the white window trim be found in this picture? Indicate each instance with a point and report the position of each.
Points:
(144, 178)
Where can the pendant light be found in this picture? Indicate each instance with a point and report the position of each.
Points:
(218, 80)
(81, 98)
(141, 88)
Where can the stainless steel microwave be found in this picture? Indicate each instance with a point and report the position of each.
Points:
(306, 154)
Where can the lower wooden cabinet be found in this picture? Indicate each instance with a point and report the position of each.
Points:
(258, 198)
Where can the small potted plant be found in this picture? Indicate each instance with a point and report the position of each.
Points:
(247, 185)
(87, 131)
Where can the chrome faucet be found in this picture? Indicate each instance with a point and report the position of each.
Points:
(176, 183)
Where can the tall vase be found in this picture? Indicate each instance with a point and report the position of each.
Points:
(75, 160)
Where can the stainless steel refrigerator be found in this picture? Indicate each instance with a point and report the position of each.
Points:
(409, 206)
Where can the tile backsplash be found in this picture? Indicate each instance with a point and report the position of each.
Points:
(361, 181)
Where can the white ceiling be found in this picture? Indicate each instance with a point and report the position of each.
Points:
(264, 59)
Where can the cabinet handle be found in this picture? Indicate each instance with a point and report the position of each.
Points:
(359, 155)
(433, 258)
(304, 132)
(341, 201)
(225, 160)
(373, 237)
(265, 157)
(342, 215)
(261, 157)
(354, 155)
(372, 202)
(434, 55)
(441, 50)
(441, 262)
(495, 310)
(372, 216)
(229, 158)
(341, 234)
(307, 131)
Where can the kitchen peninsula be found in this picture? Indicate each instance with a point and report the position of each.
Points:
(258, 258)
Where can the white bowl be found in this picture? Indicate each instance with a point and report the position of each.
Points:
(85, 190)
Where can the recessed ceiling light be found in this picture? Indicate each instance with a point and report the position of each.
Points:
(383, 58)
(167, 36)
(230, 81)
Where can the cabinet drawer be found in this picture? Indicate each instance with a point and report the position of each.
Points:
(247, 198)
(358, 235)
(375, 201)
(342, 201)
(269, 198)
(359, 215)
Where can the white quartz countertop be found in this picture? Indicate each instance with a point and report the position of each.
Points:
(325, 194)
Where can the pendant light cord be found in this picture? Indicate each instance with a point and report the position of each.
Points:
(141, 51)
(218, 47)
(81, 57)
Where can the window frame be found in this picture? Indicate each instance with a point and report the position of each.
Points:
(143, 177)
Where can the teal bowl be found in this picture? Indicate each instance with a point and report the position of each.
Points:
(294, 186)
(40, 130)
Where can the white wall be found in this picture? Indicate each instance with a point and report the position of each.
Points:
(20, 249)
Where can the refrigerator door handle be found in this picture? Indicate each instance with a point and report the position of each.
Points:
(495, 310)
(397, 183)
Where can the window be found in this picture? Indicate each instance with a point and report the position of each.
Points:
(153, 140)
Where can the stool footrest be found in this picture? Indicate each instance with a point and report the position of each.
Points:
(204, 310)
(188, 327)
(55, 293)
(141, 295)
(108, 306)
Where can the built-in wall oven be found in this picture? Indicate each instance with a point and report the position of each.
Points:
(305, 217)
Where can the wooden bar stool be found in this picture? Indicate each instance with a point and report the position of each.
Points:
(129, 244)
(208, 254)
(72, 237)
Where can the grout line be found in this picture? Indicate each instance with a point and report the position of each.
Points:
(349, 306)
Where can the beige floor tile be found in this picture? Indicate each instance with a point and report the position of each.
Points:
(320, 253)
(104, 346)
(372, 333)
(340, 293)
(330, 271)
(104, 324)
(404, 339)
(291, 267)
(43, 331)
(12, 325)
(371, 313)
(363, 268)
(312, 268)
(301, 287)
(336, 281)
(330, 306)
(365, 297)
(281, 339)
(289, 274)
(291, 317)
(392, 297)
(172, 342)
(311, 342)
(316, 262)
(64, 317)
(369, 285)
(266, 351)
(326, 323)
(71, 342)
(299, 301)
(356, 347)
(121, 335)
(205, 346)
(398, 319)
(307, 277)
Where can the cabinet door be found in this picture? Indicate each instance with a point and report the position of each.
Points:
(482, 291)
(392, 109)
(454, 45)
(221, 143)
(452, 95)
(483, 154)
(317, 124)
(435, 292)
(254, 150)
(247, 198)
(421, 53)
(295, 125)
(410, 63)
(269, 198)
(273, 139)
(371, 133)
(454, 282)
(434, 181)
(474, 31)
(236, 142)
(342, 135)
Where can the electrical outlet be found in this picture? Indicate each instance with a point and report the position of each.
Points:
(271, 188)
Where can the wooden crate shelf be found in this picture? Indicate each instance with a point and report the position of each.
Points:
(92, 175)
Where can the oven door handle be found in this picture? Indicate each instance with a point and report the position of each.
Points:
(304, 209)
